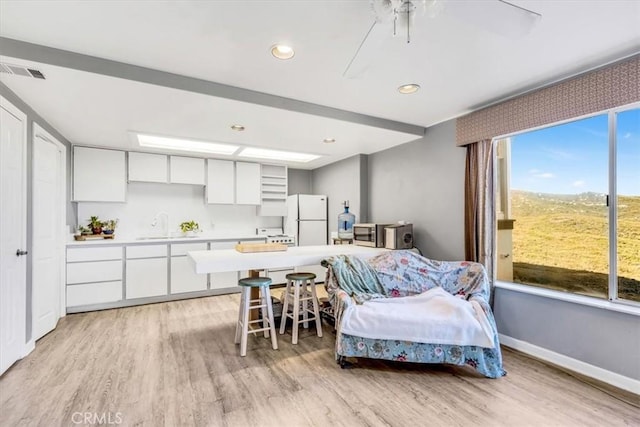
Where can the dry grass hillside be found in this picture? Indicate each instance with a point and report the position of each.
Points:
(561, 241)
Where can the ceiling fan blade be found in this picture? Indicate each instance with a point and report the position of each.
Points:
(497, 16)
(367, 51)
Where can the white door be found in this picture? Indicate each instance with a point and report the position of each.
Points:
(13, 268)
(312, 207)
(312, 233)
(49, 198)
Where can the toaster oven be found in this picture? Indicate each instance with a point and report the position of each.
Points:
(398, 236)
(371, 235)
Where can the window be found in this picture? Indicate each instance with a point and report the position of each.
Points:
(558, 188)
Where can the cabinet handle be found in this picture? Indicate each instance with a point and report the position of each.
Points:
(19, 252)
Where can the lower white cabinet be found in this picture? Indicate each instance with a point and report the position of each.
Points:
(94, 275)
(146, 277)
(96, 271)
(101, 277)
(228, 279)
(183, 276)
(94, 293)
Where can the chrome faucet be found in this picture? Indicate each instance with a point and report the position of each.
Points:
(165, 224)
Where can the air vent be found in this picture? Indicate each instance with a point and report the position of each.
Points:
(19, 70)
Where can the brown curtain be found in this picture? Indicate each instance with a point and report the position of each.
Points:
(479, 205)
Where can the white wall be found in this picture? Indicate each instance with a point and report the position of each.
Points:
(181, 203)
(340, 181)
(299, 181)
(422, 182)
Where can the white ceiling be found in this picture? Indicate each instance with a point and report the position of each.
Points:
(459, 65)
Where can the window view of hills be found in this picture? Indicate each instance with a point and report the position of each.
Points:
(561, 241)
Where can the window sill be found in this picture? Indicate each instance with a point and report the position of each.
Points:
(621, 307)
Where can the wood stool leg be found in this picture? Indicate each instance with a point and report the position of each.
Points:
(316, 309)
(296, 311)
(285, 307)
(272, 327)
(245, 320)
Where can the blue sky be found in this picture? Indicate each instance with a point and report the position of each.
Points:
(573, 158)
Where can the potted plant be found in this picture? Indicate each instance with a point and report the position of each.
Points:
(189, 227)
(85, 231)
(95, 224)
(109, 226)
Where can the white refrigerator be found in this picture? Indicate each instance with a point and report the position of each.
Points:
(307, 220)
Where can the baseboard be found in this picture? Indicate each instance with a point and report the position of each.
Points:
(616, 380)
(29, 347)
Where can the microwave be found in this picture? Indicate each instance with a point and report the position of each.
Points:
(371, 235)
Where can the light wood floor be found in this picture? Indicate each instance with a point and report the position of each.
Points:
(175, 364)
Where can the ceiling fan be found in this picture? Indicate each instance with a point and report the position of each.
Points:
(399, 17)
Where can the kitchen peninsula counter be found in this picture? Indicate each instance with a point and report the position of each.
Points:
(230, 259)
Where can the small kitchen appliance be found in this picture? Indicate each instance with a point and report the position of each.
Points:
(371, 235)
(398, 236)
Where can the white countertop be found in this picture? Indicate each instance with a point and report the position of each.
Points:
(216, 261)
(151, 241)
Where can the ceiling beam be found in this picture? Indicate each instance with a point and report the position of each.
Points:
(92, 64)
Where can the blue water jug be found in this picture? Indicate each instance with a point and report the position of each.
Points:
(345, 222)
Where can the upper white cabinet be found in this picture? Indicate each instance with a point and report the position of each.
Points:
(220, 182)
(273, 190)
(247, 183)
(187, 170)
(99, 175)
(146, 167)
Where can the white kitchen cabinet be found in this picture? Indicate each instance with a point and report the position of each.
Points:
(183, 276)
(187, 170)
(273, 190)
(94, 275)
(94, 254)
(220, 182)
(97, 271)
(247, 183)
(146, 277)
(145, 167)
(227, 279)
(146, 251)
(94, 293)
(99, 175)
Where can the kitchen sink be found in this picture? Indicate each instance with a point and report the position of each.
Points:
(164, 237)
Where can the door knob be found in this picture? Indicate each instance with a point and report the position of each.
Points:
(19, 252)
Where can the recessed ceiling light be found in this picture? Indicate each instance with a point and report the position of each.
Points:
(409, 88)
(288, 156)
(167, 143)
(239, 128)
(329, 140)
(282, 51)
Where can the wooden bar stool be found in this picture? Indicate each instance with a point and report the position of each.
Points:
(263, 302)
(297, 294)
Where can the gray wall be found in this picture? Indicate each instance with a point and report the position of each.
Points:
(340, 181)
(32, 117)
(299, 181)
(422, 182)
(603, 338)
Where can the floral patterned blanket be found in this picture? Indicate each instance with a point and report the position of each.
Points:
(404, 273)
